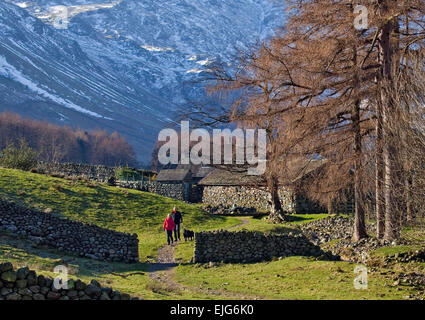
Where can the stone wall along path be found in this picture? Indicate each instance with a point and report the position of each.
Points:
(66, 235)
(24, 284)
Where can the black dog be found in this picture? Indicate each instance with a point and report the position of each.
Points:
(188, 235)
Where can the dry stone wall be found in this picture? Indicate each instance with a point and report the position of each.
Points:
(246, 197)
(179, 191)
(65, 235)
(248, 246)
(69, 170)
(170, 190)
(24, 284)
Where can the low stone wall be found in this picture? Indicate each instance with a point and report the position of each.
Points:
(180, 191)
(69, 170)
(233, 211)
(248, 246)
(246, 197)
(24, 284)
(82, 239)
(170, 190)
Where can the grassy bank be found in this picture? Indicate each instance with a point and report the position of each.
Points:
(143, 213)
(118, 209)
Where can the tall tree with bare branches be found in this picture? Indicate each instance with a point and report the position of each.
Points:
(322, 88)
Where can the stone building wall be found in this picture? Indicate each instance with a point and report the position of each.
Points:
(180, 191)
(196, 193)
(170, 190)
(65, 235)
(248, 246)
(247, 197)
(24, 284)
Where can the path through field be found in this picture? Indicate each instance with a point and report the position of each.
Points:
(163, 270)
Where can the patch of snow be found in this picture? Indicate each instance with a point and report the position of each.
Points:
(68, 12)
(197, 71)
(23, 4)
(156, 49)
(204, 62)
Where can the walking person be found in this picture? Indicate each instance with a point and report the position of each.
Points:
(169, 227)
(178, 220)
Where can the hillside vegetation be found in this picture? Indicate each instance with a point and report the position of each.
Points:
(142, 213)
(113, 208)
(63, 144)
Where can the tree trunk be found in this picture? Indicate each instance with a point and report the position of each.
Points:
(409, 210)
(330, 206)
(359, 231)
(391, 221)
(276, 213)
(379, 180)
(359, 216)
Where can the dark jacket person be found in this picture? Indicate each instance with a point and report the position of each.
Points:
(178, 219)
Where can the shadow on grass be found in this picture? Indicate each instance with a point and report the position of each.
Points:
(292, 218)
(22, 252)
(284, 230)
(155, 267)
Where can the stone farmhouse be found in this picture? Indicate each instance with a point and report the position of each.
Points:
(228, 189)
(185, 177)
(222, 188)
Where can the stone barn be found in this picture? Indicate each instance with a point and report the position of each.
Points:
(184, 181)
(228, 189)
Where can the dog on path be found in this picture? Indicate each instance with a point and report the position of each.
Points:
(188, 235)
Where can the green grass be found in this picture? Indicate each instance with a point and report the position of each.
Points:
(293, 277)
(290, 278)
(263, 225)
(122, 210)
(20, 253)
(143, 213)
(387, 251)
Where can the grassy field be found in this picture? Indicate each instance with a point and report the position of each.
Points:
(296, 277)
(291, 278)
(142, 213)
(122, 210)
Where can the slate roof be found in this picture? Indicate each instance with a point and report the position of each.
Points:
(221, 177)
(174, 175)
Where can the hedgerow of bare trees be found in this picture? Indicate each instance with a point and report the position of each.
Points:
(62, 144)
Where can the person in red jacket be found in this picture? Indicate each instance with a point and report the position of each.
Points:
(169, 227)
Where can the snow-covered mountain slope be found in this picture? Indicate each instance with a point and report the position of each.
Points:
(123, 65)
